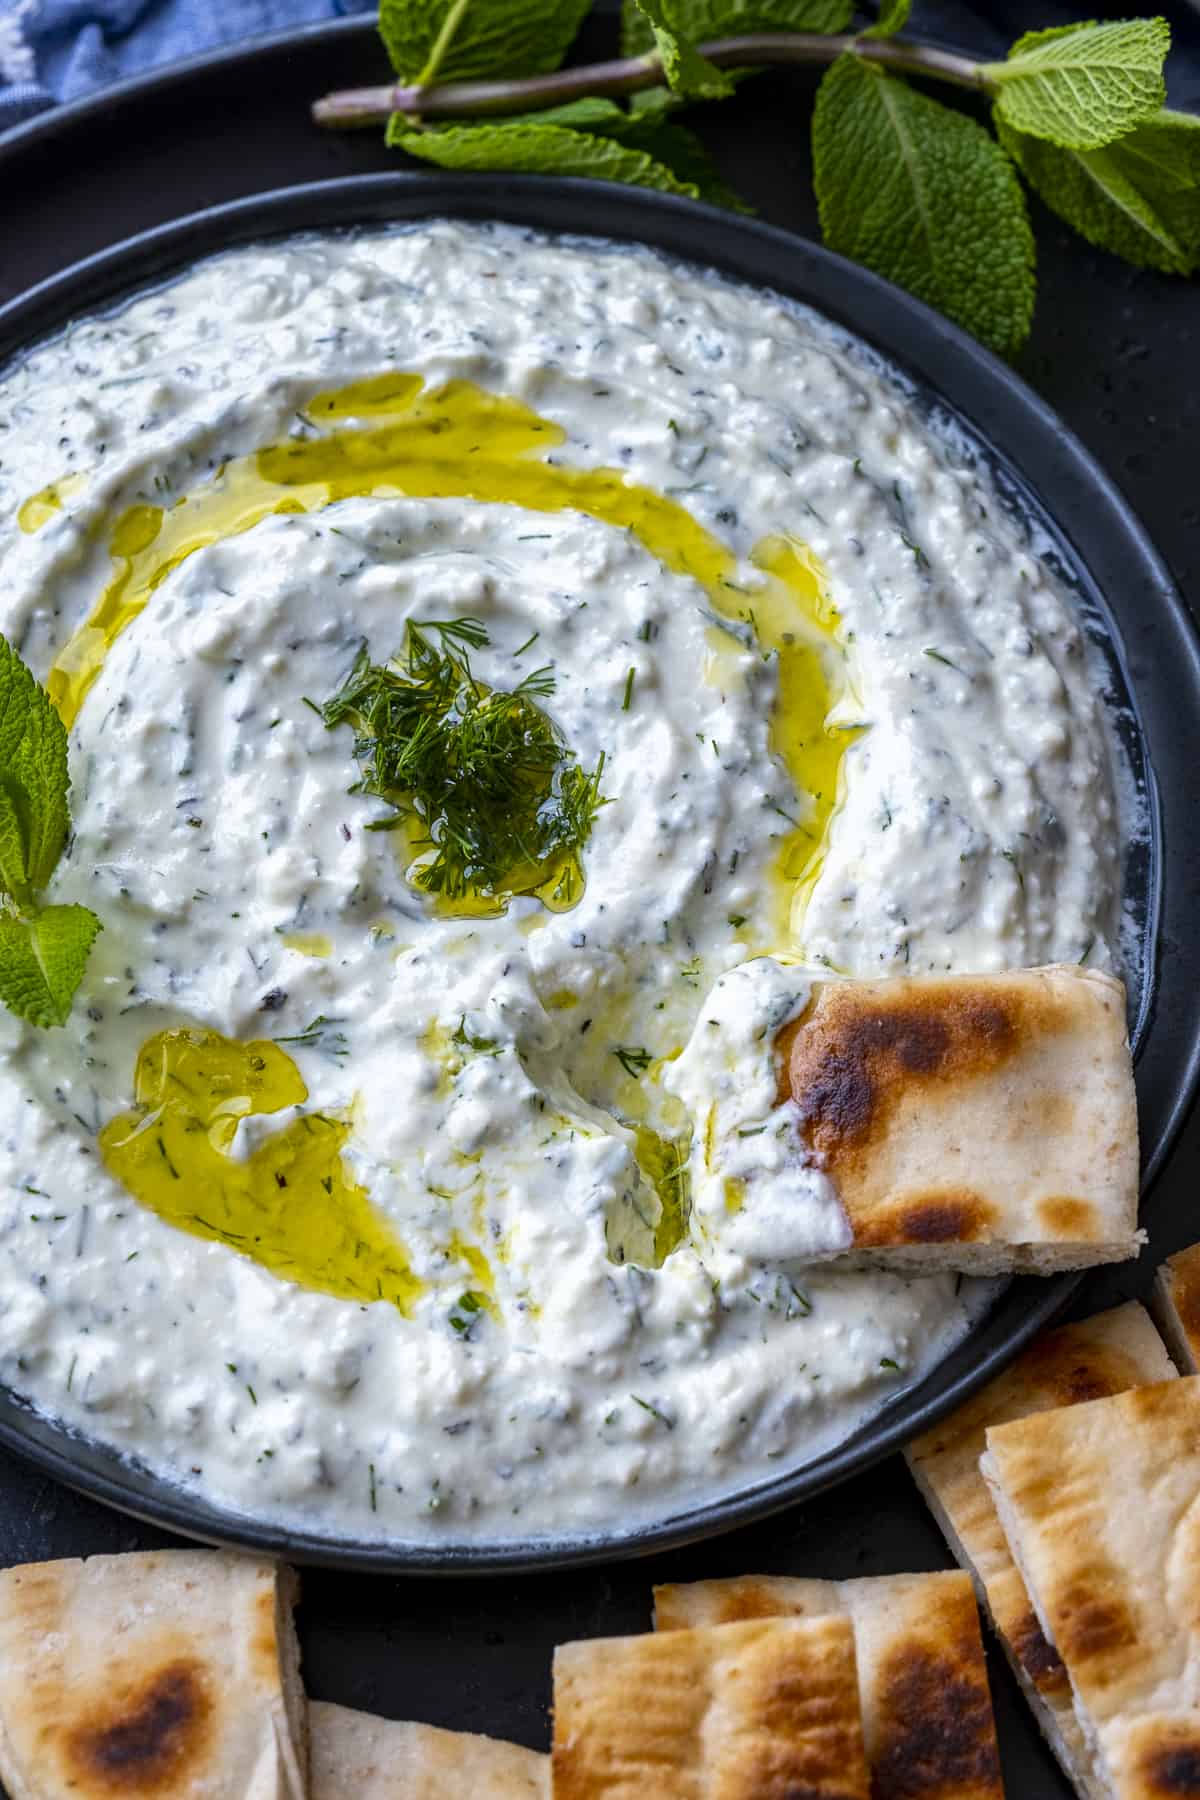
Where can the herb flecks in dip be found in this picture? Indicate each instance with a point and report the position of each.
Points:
(419, 1213)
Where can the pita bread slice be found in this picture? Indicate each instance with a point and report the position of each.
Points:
(1176, 1307)
(356, 1756)
(985, 1123)
(1101, 1506)
(759, 1711)
(926, 1708)
(172, 1672)
(1114, 1351)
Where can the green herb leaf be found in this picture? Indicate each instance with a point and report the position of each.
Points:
(33, 780)
(926, 197)
(1138, 198)
(1082, 85)
(699, 20)
(893, 17)
(536, 149)
(468, 40)
(42, 960)
(672, 146)
(466, 1312)
(688, 74)
(632, 1058)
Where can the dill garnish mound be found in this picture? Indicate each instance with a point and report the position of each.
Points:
(492, 801)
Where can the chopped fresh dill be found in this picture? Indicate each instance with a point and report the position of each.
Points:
(629, 679)
(494, 800)
(660, 1416)
(632, 1058)
(464, 1314)
(321, 1034)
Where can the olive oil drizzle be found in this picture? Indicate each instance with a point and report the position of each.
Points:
(290, 1205)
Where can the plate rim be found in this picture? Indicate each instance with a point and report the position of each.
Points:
(721, 241)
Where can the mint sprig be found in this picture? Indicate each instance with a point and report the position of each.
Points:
(43, 949)
(918, 191)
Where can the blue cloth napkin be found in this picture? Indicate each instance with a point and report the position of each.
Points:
(53, 50)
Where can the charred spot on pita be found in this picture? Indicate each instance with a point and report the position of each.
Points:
(144, 1740)
(942, 1216)
(846, 1059)
(1174, 1770)
(1037, 1655)
(937, 1738)
(1089, 1626)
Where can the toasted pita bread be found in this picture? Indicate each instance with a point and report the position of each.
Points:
(977, 1122)
(926, 1708)
(1176, 1307)
(1101, 1506)
(757, 1711)
(173, 1672)
(356, 1756)
(1116, 1350)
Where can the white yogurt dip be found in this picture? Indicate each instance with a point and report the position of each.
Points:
(566, 1348)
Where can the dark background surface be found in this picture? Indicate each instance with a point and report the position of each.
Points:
(1113, 349)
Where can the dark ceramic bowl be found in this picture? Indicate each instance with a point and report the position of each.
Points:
(1099, 550)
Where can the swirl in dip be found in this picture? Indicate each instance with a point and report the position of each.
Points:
(364, 1204)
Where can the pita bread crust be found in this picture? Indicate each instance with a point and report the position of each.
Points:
(976, 1122)
(168, 1673)
(1176, 1307)
(923, 1688)
(1101, 1503)
(1072, 1364)
(356, 1756)
(766, 1710)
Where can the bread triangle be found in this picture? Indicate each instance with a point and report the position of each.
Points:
(1101, 1507)
(927, 1717)
(171, 1672)
(985, 1123)
(1104, 1355)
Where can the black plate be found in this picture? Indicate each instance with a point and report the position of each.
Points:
(1103, 551)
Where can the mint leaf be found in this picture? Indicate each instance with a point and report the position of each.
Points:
(926, 197)
(14, 851)
(1138, 198)
(1082, 85)
(42, 962)
(688, 74)
(698, 20)
(467, 40)
(893, 17)
(671, 145)
(536, 149)
(33, 779)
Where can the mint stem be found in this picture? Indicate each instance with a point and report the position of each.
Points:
(352, 107)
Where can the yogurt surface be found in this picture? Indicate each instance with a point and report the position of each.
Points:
(351, 1207)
